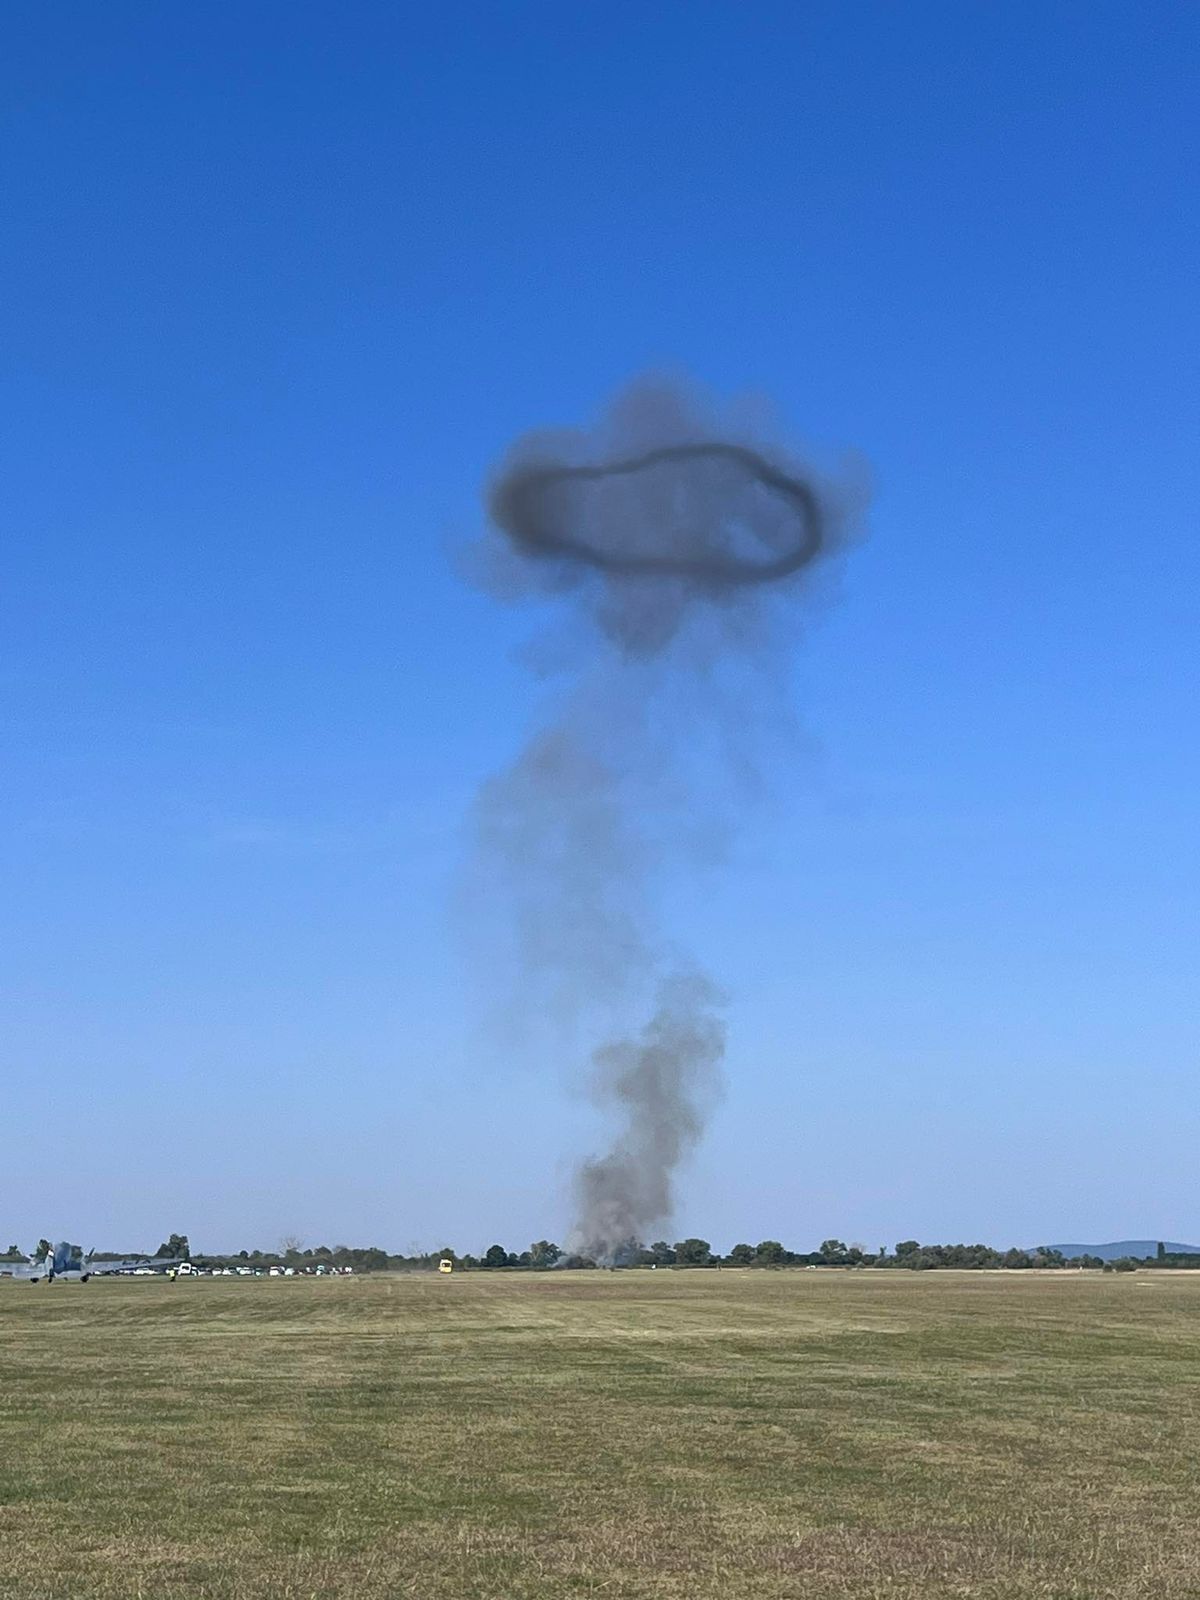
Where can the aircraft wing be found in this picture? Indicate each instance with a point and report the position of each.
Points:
(21, 1269)
(135, 1264)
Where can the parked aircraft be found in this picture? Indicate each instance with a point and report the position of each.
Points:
(65, 1261)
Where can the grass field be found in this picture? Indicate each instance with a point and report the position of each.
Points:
(675, 1434)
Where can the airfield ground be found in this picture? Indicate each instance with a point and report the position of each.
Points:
(668, 1434)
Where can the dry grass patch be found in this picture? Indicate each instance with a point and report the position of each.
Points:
(680, 1435)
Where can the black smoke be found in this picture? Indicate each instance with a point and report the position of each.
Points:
(679, 551)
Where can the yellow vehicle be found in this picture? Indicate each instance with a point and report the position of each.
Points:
(445, 1264)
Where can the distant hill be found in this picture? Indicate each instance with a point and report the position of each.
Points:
(1126, 1247)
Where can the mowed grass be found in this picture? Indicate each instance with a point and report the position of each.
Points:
(674, 1434)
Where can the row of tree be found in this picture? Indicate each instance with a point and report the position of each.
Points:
(908, 1255)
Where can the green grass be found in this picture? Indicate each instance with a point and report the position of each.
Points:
(673, 1434)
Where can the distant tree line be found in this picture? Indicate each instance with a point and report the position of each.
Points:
(544, 1255)
(909, 1255)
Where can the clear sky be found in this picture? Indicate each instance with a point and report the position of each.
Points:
(277, 284)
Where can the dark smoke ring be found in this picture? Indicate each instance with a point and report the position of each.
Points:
(515, 508)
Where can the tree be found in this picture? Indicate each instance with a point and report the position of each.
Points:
(626, 1253)
(544, 1254)
(770, 1253)
(44, 1249)
(693, 1252)
(833, 1253)
(741, 1255)
(290, 1247)
(661, 1254)
(906, 1247)
(496, 1256)
(176, 1246)
(1161, 1252)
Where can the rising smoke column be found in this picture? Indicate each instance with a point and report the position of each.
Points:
(678, 550)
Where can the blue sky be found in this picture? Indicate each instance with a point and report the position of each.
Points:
(277, 284)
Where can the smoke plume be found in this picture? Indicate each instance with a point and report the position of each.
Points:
(677, 549)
